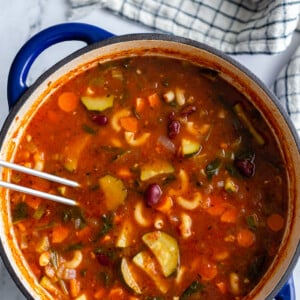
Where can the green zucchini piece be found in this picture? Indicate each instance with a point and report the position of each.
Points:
(146, 262)
(165, 249)
(98, 103)
(128, 276)
(114, 191)
(189, 147)
(156, 168)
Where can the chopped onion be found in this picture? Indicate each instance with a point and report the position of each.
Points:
(166, 143)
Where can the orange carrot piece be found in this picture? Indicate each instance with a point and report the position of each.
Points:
(230, 215)
(245, 238)
(154, 100)
(165, 204)
(33, 202)
(74, 287)
(139, 104)
(68, 101)
(59, 233)
(129, 124)
(275, 222)
(208, 270)
(84, 233)
(217, 209)
(116, 294)
(124, 173)
(221, 285)
(99, 294)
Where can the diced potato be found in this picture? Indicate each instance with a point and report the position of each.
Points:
(165, 249)
(153, 169)
(98, 103)
(114, 191)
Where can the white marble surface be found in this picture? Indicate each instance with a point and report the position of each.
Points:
(20, 19)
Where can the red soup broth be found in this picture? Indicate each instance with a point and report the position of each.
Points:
(182, 190)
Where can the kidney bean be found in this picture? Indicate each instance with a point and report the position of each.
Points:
(99, 119)
(245, 166)
(152, 194)
(187, 110)
(173, 129)
(103, 259)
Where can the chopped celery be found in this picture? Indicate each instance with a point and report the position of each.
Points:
(239, 110)
(165, 249)
(128, 276)
(98, 103)
(114, 191)
(189, 147)
(153, 169)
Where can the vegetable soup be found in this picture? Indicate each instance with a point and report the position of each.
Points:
(182, 190)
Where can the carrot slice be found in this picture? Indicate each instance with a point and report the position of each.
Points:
(129, 124)
(59, 233)
(207, 270)
(221, 285)
(165, 204)
(230, 215)
(217, 209)
(275, 222)
(68, 101)
(245, 238)
(154, 100)
(33, 202)
(139, 104)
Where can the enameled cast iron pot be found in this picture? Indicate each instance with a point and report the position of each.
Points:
(24, 101)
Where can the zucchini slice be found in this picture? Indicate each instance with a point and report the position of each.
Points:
(128, 276)
(189, 147)
(165, 249)
(153, 169)
(114, 191)
(146, 262)
(98, 103)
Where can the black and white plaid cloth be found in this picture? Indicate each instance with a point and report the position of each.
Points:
(232, 26)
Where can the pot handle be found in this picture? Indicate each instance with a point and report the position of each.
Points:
(24, 59)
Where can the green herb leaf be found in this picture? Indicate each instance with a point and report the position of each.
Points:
(20, 212)
(252, 221)
(107, 224)
(213, 168)
(88, 129)
(195, 287)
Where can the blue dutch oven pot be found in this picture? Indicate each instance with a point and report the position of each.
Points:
(278, 282)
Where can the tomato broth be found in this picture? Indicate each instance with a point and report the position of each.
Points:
(182, 190)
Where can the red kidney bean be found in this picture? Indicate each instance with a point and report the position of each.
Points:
(245, 166)
(187, 110)
(103, 259)
(152, 194)
(173, 129)
(99, 119)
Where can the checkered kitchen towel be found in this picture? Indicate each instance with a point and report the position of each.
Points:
(233, 26)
